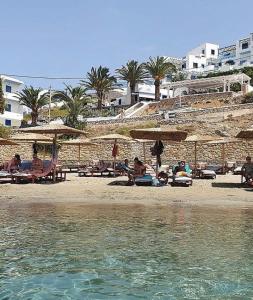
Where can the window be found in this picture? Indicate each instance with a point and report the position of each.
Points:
(8, 89)
(195, 65)
(242, 62)
(203, 51)
(8, 107)
(119, 101)
(7, 122)
(212, 51)
(184, 66)
(202, 65)
(164, 97)
(245, 45)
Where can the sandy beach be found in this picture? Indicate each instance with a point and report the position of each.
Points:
(224, 191)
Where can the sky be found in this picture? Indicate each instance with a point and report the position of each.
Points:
(65, 38)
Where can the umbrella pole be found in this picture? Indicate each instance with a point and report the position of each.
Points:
(195, 159)
(223, 158)
(79, 153)
(54, 156)
(144, 152)
(114, 159)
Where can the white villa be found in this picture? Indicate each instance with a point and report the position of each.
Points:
(13, 114)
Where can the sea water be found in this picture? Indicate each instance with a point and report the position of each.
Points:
(75, 251)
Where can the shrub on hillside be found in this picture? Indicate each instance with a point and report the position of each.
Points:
(248, 98)
(5, 132)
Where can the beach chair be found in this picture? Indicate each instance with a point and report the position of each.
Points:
(180, 178)
(145, 180)
(100, 169)
(49, 170)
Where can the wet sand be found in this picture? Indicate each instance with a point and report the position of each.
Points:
(223, 191)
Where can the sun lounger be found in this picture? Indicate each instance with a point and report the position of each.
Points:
(145, 180)
(5, 176)
(181, 181)
(50, 170)
(100, 170)
(207, 174)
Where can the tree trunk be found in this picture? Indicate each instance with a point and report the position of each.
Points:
(34, 116)
(157, 90)
(132, 91)
(100, 100)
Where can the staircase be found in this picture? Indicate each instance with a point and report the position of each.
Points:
(134, 111)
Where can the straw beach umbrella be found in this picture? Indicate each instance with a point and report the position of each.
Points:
(54, 129)
(79, 143)
(32, 137)
(115, 138)
(158, 134)
(223, 142)
(198, 139)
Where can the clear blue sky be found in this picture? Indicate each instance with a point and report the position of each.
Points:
(66, 38)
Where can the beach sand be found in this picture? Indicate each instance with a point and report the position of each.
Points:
(224, 191)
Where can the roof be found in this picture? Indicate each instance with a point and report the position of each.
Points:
(53, 129)
(4, 77)
(208, 82)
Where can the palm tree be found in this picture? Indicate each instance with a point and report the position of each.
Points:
(34, 99)
(2, 100)
(75, 101)
(101, 81)
(158, 68)
(133, 73)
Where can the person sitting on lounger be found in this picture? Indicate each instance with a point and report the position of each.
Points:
(37, 164)
(247, 170)
(138, 170)
(14, 164)
(182, 169)
(124, 167)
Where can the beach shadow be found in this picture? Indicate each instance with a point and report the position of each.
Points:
(229, 185)
(120, 183)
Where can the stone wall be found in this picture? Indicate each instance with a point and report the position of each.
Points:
(199, 112)
(172, 152)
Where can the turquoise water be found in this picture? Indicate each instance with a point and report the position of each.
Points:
(125, 252)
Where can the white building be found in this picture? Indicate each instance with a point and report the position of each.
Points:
(143, 92)
(201, 59)
(13, 114)
(237, 56)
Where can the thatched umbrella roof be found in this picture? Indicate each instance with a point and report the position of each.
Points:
(223, 141)
(53, 129)
(30, 137)
(78, 142)
(245, 134)
(200, 138)
(7, 142)
(112, 137)
(158, 134)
